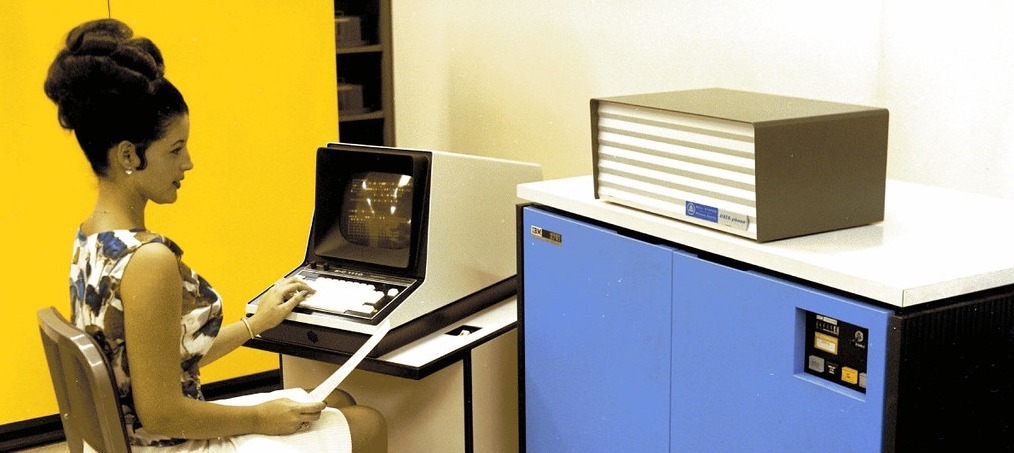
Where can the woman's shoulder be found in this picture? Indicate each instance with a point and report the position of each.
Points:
(147, 237)
(117, 243)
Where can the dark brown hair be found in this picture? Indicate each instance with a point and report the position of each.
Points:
(110, 86)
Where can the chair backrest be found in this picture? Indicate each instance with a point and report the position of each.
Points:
(84, 385)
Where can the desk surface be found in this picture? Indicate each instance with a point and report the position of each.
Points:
(934, 243)
(424, 356)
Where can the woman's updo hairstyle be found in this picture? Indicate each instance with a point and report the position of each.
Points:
(109, 87)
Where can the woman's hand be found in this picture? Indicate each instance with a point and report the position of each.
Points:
(278, 302)
(285, 416)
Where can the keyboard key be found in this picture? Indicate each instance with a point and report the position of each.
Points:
(343, 296)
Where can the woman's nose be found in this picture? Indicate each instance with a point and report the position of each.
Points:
(188, 164)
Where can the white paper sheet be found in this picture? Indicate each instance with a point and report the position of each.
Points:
(336, 378)
(326, 387)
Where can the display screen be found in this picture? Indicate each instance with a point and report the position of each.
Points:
(371, 222)
(376, 211)
(370, 209)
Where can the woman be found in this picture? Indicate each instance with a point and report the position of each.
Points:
(133, 126)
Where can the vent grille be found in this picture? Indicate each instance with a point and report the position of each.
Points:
(956, 377)
(660, 160)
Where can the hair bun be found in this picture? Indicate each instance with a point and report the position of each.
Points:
(98, 38)
(101, 66)
(112, 38)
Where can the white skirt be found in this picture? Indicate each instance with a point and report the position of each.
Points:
(329, 434)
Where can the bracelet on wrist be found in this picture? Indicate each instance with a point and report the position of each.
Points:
(248, 328)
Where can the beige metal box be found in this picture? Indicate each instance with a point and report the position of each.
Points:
(761, 166)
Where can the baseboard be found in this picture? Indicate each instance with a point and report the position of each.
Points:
(31, 433)
(47, 430)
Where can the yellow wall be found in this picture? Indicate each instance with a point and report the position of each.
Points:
(259, 78)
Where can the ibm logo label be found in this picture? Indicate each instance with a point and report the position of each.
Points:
(546, 235)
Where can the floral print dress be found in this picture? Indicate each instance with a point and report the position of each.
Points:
(96, 307)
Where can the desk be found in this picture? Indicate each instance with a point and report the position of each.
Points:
(441, 393)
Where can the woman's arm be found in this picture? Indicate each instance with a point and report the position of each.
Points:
(277, 303)
(151, 294)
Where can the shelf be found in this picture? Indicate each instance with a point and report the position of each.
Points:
(374, 115)
(366, 61)
(360, 49)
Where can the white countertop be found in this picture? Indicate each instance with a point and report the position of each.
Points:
(423, 356)
(439, 344)
(933, 243)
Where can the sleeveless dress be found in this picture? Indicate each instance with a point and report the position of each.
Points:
(97, 266)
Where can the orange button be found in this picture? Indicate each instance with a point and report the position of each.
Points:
(849, 375)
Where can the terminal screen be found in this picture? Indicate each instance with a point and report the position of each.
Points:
(377, 211)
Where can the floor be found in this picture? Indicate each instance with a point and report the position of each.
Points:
(52, 448)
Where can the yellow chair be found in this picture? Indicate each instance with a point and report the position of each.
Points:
(84, 385)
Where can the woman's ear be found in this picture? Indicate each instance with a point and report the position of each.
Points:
(125, 157)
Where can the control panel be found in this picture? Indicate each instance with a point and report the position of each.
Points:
(836, 351)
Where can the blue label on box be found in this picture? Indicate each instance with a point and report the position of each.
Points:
(701, 211)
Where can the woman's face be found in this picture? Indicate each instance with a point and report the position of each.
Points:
(168, 159)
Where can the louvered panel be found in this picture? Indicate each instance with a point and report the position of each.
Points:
(669, 163)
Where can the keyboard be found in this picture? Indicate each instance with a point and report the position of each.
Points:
(347, 296)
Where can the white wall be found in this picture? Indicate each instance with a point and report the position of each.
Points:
(513, 78)
(948, 77)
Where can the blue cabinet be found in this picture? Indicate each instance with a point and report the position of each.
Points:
(629, 345)
(739, 379)
(596, 339)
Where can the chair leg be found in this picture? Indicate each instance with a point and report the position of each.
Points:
(75, 444)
